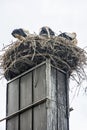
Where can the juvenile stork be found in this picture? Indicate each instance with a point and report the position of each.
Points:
(46, 32)
(20, 34)
(69, 36)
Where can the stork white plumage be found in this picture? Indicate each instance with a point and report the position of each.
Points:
(69, 36)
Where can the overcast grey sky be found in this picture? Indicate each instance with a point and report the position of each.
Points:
(60, 15)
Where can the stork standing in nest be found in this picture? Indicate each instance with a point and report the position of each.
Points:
(20, 34)
(69, 36)
(46, 32)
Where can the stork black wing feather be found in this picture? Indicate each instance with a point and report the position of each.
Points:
(65, 36)
(19, 32)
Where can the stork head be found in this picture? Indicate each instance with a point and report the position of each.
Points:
(19, 34)
(74, 34)
(46, 31)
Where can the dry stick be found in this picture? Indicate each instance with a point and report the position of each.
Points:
(22, 58)
(34, 48)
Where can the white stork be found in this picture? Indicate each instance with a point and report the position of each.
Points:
(69, 36)
(46, 31)
(20, 33)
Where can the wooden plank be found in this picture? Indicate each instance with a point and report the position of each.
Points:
(54, 97)
(39, 117)
(26, 120)
(51, 94)
(61, 88)
(13, 97)
(61, 85)
(12, 104)
(12, 124)
(51, 115)
(26, 90)
(48, 79)
(53, 84)
(39, 83)
(25, 100)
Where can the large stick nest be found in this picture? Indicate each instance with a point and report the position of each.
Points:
(21, 56)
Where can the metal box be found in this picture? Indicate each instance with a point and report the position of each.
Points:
(38, 99)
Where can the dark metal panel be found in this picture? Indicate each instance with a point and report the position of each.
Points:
(39, 83)
(12, 124)
(40, 117)
(61, 85)
(26, 120)
(12, 96)
(26, 90)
